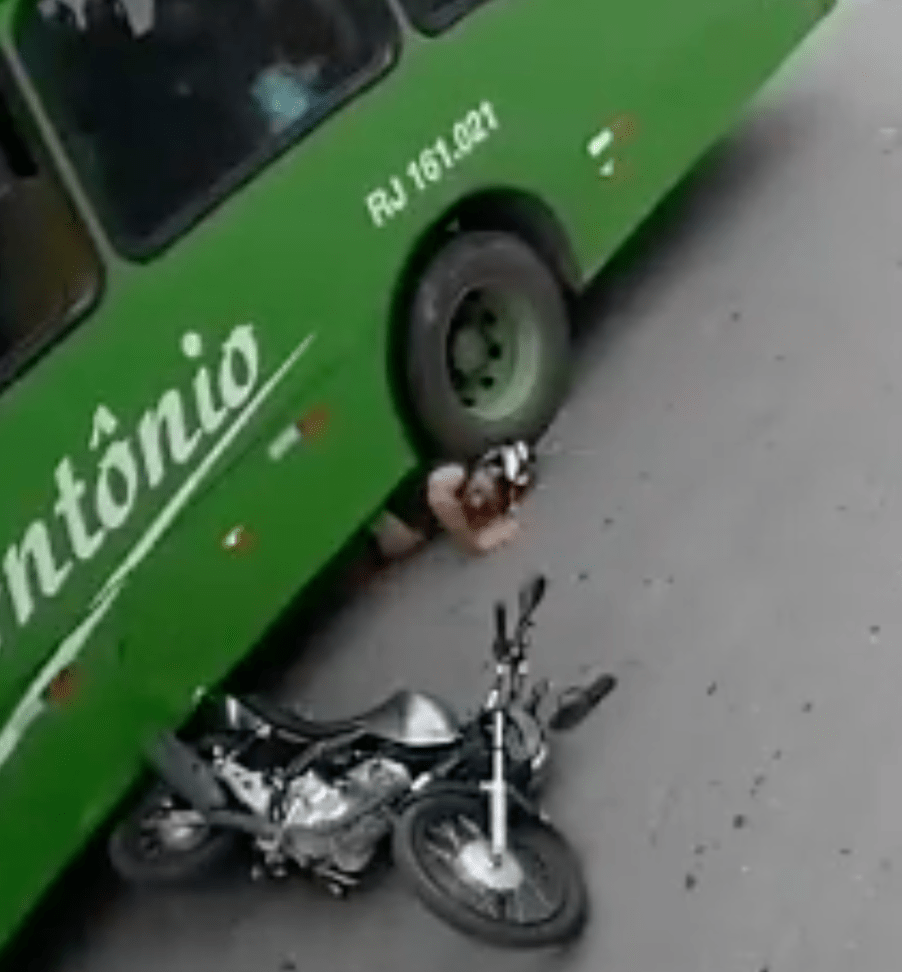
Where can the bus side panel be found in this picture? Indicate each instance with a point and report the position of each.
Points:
(59, 784)
(689, 96)
(142, 667)
(668, 78)
(287, 256)
(237, 592)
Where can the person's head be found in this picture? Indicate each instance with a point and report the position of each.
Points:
(483, 493)
(497, 481)
(307, 41)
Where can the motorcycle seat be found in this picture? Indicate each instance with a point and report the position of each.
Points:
(409, 718)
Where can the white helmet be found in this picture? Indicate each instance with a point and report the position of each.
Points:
(513, 463)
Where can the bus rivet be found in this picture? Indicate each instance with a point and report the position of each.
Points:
(63, 686)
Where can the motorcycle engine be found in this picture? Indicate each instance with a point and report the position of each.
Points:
(341, 823)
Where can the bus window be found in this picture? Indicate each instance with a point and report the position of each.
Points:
(434, 16)
(49, 272)
(165, 112)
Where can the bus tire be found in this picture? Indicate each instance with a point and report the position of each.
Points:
(487, 349)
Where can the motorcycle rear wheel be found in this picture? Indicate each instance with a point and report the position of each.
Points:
(442, 847)
(161, 841)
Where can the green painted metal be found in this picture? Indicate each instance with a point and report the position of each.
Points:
(292, 276)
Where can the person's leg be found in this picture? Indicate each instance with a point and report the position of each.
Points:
(394, 537)
(364, 562)
(408, 502)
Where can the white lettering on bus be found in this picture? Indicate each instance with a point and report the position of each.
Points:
(169, 414)
(211, 417)
(36, 546)
(89, 508)
(432, 164)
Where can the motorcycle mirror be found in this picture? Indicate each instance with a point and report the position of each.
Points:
(574, 704)
(531, 595)
(501, 639)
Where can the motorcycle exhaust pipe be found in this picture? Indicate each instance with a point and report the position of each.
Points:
(189, 776)
(575, 704)
(245, 822)
(180, 768)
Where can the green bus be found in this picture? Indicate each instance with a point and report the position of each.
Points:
(258, 260)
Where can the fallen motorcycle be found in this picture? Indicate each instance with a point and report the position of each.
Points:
(455, 799)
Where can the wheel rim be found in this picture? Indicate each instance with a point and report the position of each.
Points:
(455, 851)
(167, 830)
(493, 351)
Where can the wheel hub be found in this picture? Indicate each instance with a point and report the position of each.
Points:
(180, 829)
(492, 352)
(469, 351)
(476, 865)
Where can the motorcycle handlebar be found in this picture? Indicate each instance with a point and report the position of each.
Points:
(501, 641)
(531, 595)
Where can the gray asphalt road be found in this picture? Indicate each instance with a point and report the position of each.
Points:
(722, 520)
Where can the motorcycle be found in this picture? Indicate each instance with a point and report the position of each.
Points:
(454, 799)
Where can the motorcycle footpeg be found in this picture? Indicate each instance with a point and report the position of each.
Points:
(262, 872)
(337, 883)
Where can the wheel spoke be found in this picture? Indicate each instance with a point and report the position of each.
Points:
(471, 827)
(516, 904)
(494, 903)
(149, 841)
(449, 830)
(446, 856)
(537, 895)
(503, 900)
(487, 901)
(537, 878)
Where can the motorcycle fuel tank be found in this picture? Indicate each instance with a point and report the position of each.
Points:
(413, 719)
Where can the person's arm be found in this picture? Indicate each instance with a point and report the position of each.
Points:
(444, 499)
(493, 535)
(442, 494)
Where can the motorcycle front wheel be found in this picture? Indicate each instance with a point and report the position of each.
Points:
(535, 897)
(163, 841)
